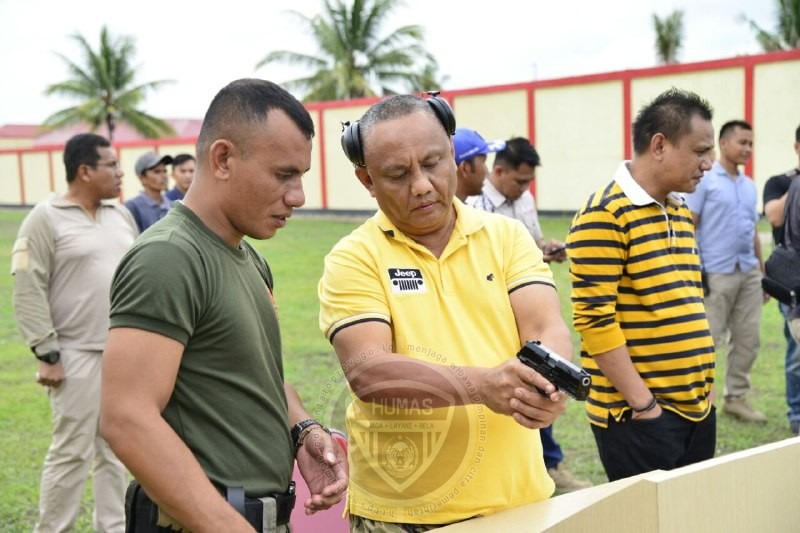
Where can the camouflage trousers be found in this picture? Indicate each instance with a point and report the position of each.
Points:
(359, 524)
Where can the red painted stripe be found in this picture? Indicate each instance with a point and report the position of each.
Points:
(52, 179)
(741, 61)
(118, 145)
(532, 115)
(627, 120)
(21, 179)
(531, 95)
(749, 73)
(321, 106)
(323, 171)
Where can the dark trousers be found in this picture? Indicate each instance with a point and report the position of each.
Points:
(631, 447)
(550, 448)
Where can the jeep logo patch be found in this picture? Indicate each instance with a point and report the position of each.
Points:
(406, 280)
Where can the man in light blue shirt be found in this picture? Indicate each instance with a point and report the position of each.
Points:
(725, 215)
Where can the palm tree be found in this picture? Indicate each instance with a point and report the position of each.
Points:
(105, 84)
(787, 34)
(354, 59)
(669, 36)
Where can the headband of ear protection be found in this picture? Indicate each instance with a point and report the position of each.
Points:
(351, 135)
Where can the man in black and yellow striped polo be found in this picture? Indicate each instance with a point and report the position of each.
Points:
(638, 300)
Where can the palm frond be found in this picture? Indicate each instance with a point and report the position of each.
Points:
(787, 27)
(669, 36)
(355, 56)
(104, 79)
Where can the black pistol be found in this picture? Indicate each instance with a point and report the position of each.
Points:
(563, 374)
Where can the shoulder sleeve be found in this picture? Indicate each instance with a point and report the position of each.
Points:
(128, 216)
(526, 264)
(597, 247)
(32, 264)
(159, 287)
(774, 188)
(791, 217)
(350, 290)
(133, 209)
(532, 218)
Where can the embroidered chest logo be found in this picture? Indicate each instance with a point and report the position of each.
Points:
(406, 280)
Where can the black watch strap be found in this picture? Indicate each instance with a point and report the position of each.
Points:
(52, 357)
(298, 429)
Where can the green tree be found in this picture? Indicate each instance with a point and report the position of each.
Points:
(104, 81)
(354, 59)
(787, 33)
(669, 36)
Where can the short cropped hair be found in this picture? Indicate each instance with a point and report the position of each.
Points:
(730, 126)
(244, 103)
(180, 159)
(391, 107)
(518, 150)
(82, 150)
(670, 114)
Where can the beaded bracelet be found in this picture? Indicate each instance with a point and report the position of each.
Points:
(301, 429)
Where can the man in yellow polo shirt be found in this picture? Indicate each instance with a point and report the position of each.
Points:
(426, 305)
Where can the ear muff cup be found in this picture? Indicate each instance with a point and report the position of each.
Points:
(351, 135)
(351, 143)
(444, 113)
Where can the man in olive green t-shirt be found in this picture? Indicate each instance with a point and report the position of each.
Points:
(194, 401)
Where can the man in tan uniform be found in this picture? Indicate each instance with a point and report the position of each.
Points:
(63, 260)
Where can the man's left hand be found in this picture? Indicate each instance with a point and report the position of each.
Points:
(323, 465)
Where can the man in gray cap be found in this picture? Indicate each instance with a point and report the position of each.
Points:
(150, 205)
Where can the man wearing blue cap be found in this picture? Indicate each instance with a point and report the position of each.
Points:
(471, 150)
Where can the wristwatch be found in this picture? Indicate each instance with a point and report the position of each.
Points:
(299, 429)
(50, 357)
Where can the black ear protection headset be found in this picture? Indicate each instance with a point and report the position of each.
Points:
(351, 136)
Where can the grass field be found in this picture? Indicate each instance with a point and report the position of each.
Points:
(295, 256)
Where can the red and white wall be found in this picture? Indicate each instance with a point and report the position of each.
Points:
(579, 125)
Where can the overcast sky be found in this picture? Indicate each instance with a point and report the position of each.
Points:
(203, 46)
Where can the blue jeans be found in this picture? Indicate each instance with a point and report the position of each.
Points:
(550, 448)
(792, 370)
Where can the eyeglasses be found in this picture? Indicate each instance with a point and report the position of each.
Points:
(113, 165)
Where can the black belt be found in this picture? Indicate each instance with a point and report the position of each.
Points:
(142, 513)
(253, 508)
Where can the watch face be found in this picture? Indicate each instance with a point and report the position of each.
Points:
(50, 357)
